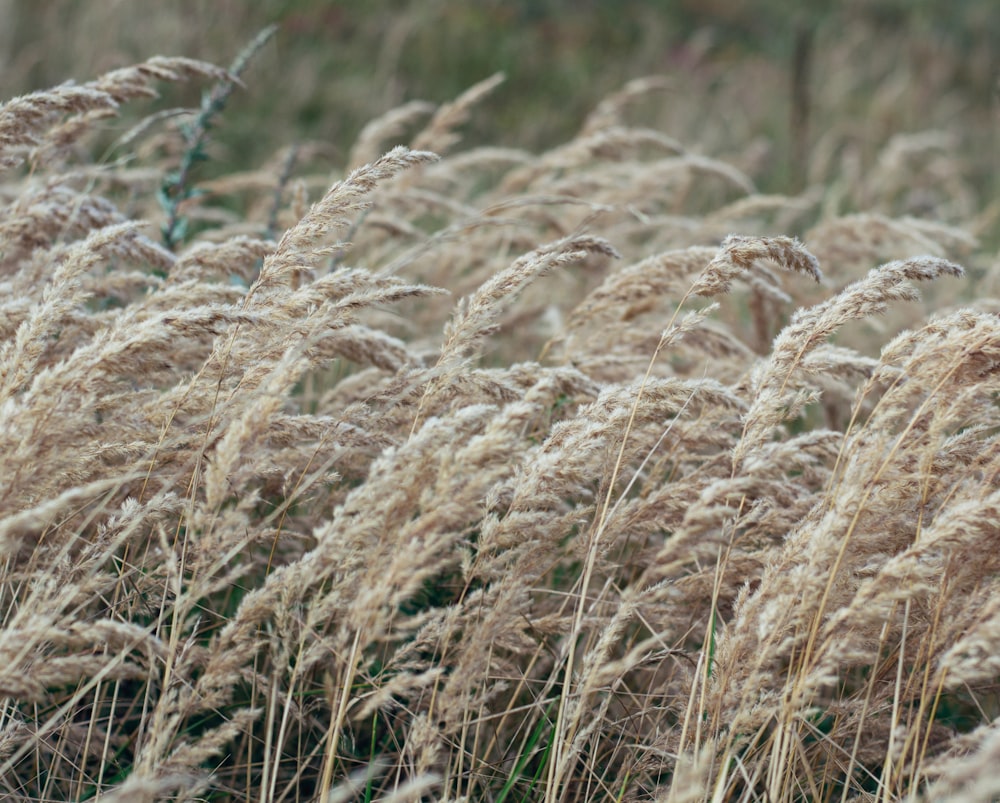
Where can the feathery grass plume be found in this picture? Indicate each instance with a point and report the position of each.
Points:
(626, 295)
(439, 134)
(237, 257)
(476, 318)
(31, 122)
(809, 328)
(737, 255)
(964, 772)
(134, 82)
(41, 217)
(608, 112)
(368, 146)
(298, 250)
(24, 120)
(793, 207)
(20, 357)
(616, 142)
(853, 242)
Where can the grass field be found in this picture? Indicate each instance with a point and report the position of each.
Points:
(474, 454)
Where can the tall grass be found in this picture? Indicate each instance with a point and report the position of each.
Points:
(496, 476)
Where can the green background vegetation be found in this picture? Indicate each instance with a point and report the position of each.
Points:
(335, 66)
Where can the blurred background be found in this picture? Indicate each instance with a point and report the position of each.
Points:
(792, 97)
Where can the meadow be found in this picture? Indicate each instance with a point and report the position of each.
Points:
(602, 470)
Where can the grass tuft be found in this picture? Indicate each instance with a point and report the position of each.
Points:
(540, 487)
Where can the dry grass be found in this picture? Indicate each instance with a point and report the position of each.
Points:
(636, 510)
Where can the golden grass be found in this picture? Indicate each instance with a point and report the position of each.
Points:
(625, 514)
